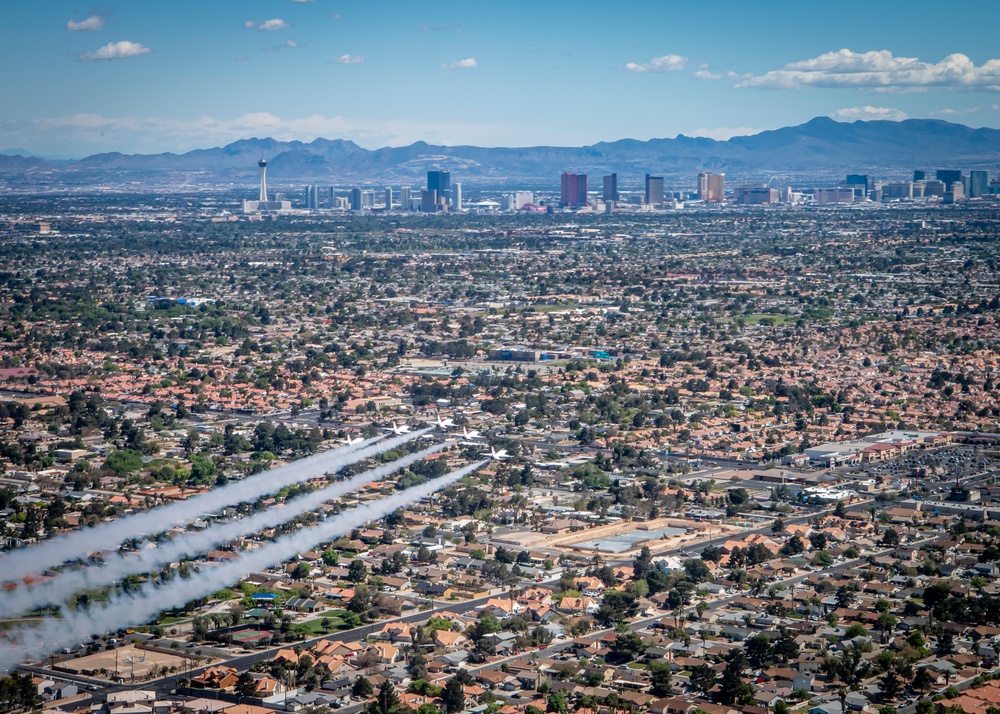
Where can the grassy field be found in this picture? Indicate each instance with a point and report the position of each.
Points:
(314, 628)
(776, 320)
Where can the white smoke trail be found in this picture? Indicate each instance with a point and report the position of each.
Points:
(148, 601)
(57, 589)
(55, 551)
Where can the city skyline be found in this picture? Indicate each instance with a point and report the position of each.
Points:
(152, 79)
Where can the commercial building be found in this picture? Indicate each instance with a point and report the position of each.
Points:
(611, 188)
(456, 197)
(711, 187)
(522, 199)
(897, 190)
(388, 199)
(574, 190)
(949, 176)
(979, 184)
(654, 190)
(861, 184)
(405, 203)
(312, 197)
(833, 195)
(934, 188)
(439, 181)
(755, 195)
(354, 199)
(432, 202)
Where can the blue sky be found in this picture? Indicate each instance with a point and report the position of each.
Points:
(171, 76)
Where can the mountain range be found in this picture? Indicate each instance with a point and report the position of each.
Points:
(818, 147)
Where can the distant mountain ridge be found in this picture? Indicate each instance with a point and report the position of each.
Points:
(820, 145)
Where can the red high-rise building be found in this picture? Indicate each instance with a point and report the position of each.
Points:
(574, 190)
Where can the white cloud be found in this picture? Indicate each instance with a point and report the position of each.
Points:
(348, 59)
(724, 133)
(467, 63)
(91, 24)
(880, 71)
(706, 74)
(666, 63)
(268, 25)
(870, 113)
(116, 50)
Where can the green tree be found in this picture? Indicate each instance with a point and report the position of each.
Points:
(702, 678)
(890, 538)
(793, 546)
(660, 676)
(785, 647)
(246, 685)
(362, 688)
(124, 461)
(301, 571)
(628, 646)
(357, 571)
(557, 703)
(759, 651)
(817, 540)
(453, 696)
(889, 686)
(732, 689)
(922, 680)
(696, 570)
(387, 701)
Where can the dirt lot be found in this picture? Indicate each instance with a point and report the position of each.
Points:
(566, 542)
(131, 660)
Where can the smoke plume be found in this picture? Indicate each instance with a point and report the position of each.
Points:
(55, 551)
(145, 603)
(56, 590)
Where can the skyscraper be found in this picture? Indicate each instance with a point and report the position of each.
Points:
(456, 197)
(574, 190)
(611, 188)
(949, 176)
(388, 198)
(711, 187)
(439, 181)
(404, 198)
(429, 200)
(919, 175)
(355, 199)
(861, 184)
(654, 190)
(312, 197)
(979, 184)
